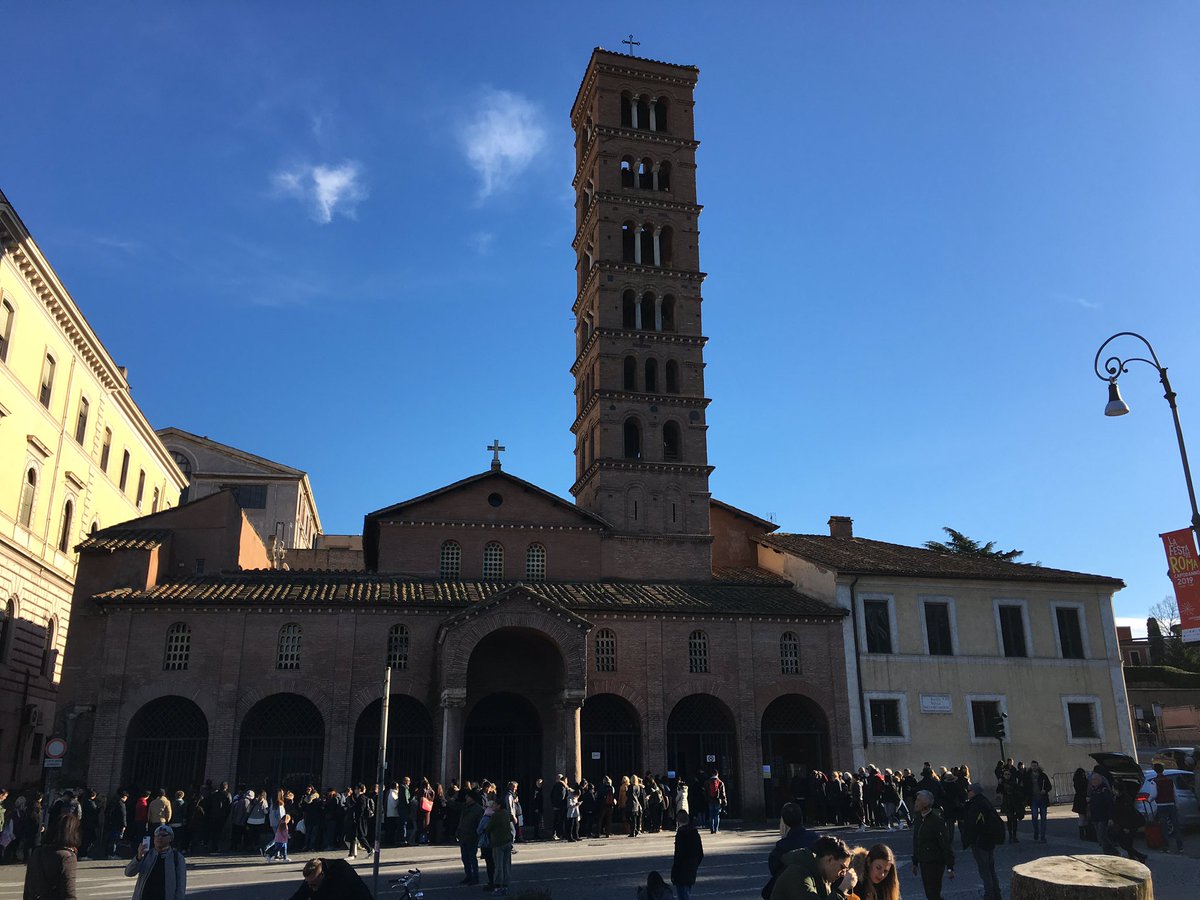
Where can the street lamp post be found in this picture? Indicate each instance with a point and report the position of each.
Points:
(1114, 368)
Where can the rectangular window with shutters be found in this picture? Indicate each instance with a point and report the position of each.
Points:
(877, 623)
(1012, 629)
(1083, 719)
(885, 718)
(938, 629)
(105, 450)
(984, 713)
(47, 388)
(1070, 632)
(81, 420)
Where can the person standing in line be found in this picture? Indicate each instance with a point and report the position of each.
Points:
(1039, 800)
(1167, 811)
(689, 853)
(981, 828)
(158, 811)
(391, 814)
(277, 820)
(404, 807)
(634, 805)
(572, 816)
(536, 810)
(116, 820)
(141, 812)
(502, 832)
(50, 874)
(90, 825)
(161, 870)
(718, 802)
(178, 821)
(468, 836)
(680, 804)
(558, 800)
(933, 857)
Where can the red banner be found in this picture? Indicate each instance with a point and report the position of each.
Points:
(1183, 565)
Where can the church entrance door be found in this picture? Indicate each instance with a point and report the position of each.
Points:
(611, 739)
(795, 741)
(700, 738)
(502, 742)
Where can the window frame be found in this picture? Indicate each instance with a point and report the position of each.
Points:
(789, 637)
(493, 569)
(970, 700)
(8, 310)
(1081, 619)
(606, 660)
(82, 413)
(1097, 718)
(893, 631)
(399, 646)
(46, 380)
(699, 659)
(65, 524)
(901, 699)
(531, 564)
(288, 659)
(998, 602)
(924, 601)
(25, 513)
(177, 647)
(443, 553)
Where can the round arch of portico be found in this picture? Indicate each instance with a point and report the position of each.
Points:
(627, 692)
(813, 693)
(137, 698)
(363, 697)
(565, 630)
(702, 684)
(289, 685)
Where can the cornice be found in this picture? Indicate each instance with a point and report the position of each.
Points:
(487, 526)
(623, 465)
(683, 275)
(650, 200)
(595, 68)
(654, 337)
(626, 396)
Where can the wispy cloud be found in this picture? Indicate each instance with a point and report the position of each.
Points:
(481, 242)
(125, 246)
(327, 190)
(1076, 300)
(501, 136)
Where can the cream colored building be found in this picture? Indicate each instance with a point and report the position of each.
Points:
(944, 643)
(277, 499)
(76, 455)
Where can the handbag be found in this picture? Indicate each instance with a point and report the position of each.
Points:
(426, 804)
(300, 829)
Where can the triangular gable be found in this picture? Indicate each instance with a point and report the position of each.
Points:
(742, 514)
(518, 593)
(264, 465)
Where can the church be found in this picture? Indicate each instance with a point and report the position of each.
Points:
(641, 626)
(527, 635)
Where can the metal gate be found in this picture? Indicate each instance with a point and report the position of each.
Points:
(609, 727)
(701, 738)
(282, 743)
(409, 741)
(166, 746)
(795, 740)
(502, 741)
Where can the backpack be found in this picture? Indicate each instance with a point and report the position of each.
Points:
(996, 829)
(714, 788)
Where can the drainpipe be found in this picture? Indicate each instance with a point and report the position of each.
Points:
(862, 704)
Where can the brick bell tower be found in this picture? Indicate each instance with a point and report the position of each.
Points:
(641, 457)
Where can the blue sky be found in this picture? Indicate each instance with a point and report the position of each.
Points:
(338, 235)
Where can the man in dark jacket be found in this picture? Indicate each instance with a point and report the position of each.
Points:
(980, 826)
(331, 879)
(933, 857)
(558, 800)
(116, 820)
(217, 806)
(468, 836)
(797, 838)
(689, 853)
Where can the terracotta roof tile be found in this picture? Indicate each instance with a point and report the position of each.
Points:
(860, 556)
(284, 588)
(112, 540)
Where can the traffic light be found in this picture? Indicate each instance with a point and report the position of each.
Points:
(998, 730)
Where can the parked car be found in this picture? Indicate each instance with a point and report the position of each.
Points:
(1177, 758)
(1124, 769)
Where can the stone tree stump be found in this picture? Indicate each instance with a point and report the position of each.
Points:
(1084, 877)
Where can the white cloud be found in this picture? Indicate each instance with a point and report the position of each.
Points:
(481, 242)
(501, 137)
(328, 190)
(1137, 625)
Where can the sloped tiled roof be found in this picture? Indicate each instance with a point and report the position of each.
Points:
(860, 556)
(284, 588)
(113, 539)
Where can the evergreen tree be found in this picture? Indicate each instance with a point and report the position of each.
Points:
(961, 544)
(1154, 633)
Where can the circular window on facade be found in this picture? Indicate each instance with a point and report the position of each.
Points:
(495, 499)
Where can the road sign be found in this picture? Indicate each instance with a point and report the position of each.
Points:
(49, 763)
(56, 748)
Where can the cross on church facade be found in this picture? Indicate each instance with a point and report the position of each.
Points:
(632, 43)
(496, 451)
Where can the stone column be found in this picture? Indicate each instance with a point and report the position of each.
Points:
(657, 246)
(653, 116)
(658, 313)
(567, 759)
(637, 313)
(633, 109)
(453, 703)
(654, 177)
(637, 243)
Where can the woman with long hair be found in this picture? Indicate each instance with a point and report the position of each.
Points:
(50, 874)
(876, 871)
(278, 819)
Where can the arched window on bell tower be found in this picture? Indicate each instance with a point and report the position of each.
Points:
(630, 366)
(651, 375)
(626, 110)
(672, 442)
(664, 246)
(660, 114)
(633, 438)
(672, 377)
(645, 174)
(629, 310)
(647, 309)
(629, 242)
(664, 176)
(668, 313)
(627, 172)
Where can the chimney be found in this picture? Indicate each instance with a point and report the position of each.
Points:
(841, 527)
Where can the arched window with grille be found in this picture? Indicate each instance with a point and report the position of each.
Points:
(493, 561)
(606, 651)
(535, 563)
(697, 652)
(49, 650)
(397, 647)
(789, 653)
(179, 648)
(289, 647)
(450, 565)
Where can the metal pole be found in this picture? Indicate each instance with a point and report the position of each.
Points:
(381, 774)
(1169, 395)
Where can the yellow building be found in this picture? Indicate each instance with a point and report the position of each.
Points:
(76, 455)
(940, 646)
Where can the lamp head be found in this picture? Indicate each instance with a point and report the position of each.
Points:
(1115, 406)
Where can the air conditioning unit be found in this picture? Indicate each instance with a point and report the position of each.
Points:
(33, 715)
